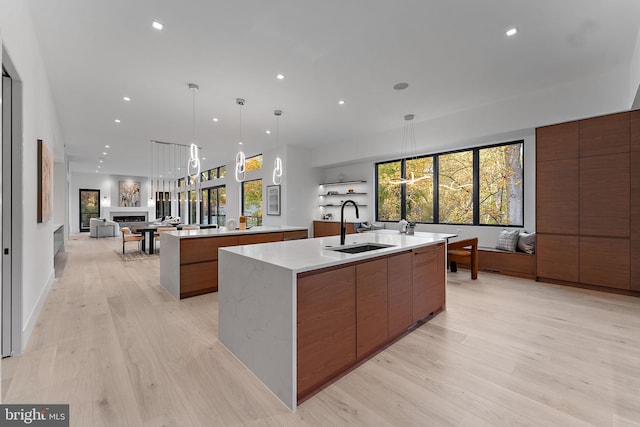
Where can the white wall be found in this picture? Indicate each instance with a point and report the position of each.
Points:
(603, 94)
(39, 122)
(634, 88)
(109, 188)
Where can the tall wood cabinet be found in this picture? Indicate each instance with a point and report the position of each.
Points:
(587, 208)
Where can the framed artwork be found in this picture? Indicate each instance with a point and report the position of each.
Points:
(273, 200)
(129, 195)
(45, 175)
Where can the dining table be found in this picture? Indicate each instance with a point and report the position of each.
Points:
(149, 231)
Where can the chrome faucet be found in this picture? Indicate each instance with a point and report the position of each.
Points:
(343, 229)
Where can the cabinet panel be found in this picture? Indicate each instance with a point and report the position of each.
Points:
(330, 228)
(634, 210)
(557, 197)
(428, 280)
(604, 262)
(634, 259)
(557, 142)
(296, 235)
(400, 293)
(604, 195)
(604, 135)
(557, 257)
(371, 306)
(249, 239)
(326, 326)
(203, 248)
(634, 117)
(200, 278)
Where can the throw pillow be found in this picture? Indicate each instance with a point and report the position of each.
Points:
(527, 242)
(508, 240)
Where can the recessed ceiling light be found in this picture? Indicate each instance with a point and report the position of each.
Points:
(280, 76)
(267, 131)
(96, 171)
(107, 146)
(341, 102)
(117, 120)
(512, 32)
(101, 161)
(126, 98)
(157, 25)
(99, 166)
(401, 86)
(215, 119)
(204, 158)
(104, 153)
(240, 143)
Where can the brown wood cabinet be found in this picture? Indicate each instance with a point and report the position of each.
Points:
(557, 142)
(326, 325)
(199, 258)
(557, 192)
(346, 314)
(331, 228)
(428, 272)
(604, 195)
(599, 246)
(400, 293)
(371, 306)
(604, 262)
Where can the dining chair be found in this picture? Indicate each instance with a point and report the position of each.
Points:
(162, 230)
(128, 236)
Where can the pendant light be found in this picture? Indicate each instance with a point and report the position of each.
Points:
(277, 164)
(240, 157)
(193, 165)
(408, 152)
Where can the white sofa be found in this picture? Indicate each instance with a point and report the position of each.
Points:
(102, 227)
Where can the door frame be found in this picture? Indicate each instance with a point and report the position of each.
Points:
(12, 206)
(80, 207)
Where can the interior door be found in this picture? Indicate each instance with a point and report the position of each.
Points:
(6, 216)
(89, 207)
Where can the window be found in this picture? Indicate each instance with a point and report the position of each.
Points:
(182, 204)
(204, 176)
(222, 171)
(481, 186)
(419, 198)
(163, 204)
(212, 207)
(253, 163)
(501, 186)
(455, 187)
(181, 182)
(388, 195)
(193, 205)
(252, 202)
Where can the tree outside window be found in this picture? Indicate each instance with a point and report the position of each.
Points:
(252, 202)
(419, 199)
(455, 179)
(501, 186)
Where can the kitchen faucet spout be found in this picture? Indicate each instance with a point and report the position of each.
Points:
(343, 229)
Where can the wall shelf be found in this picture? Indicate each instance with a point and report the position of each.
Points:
(337, 206)
(341, 194)
(344, 182)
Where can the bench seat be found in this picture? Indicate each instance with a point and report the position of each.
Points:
(518, 264)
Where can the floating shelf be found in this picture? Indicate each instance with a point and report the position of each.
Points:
(344, 182)
(341, 194)
(336, 206)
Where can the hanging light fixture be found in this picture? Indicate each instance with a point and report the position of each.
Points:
(408, 152)
(240, 157)
(193, 165)
(277, 164)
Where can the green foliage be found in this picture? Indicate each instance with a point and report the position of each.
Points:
(501, 187)
(456, 187)
(252, 201)
(388, 194)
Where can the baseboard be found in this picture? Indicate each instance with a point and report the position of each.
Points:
(35, 313)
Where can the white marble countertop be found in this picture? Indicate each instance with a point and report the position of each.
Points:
(224, 231)
(311, 254)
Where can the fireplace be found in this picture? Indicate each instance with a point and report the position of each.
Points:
(129, 218)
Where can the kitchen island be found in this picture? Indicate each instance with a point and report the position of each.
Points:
(189, 258)
(299, 314)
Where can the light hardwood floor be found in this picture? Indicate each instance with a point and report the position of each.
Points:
(121, 351)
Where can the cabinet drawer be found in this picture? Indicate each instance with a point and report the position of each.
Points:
(203, 249)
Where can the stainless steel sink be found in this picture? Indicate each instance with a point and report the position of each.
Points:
(361, 247)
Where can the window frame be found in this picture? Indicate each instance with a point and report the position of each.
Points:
(242, 207)
(436, 186)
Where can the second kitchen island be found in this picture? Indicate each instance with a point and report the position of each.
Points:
(299, 314)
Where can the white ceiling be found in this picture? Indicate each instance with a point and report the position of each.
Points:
(454, 54)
